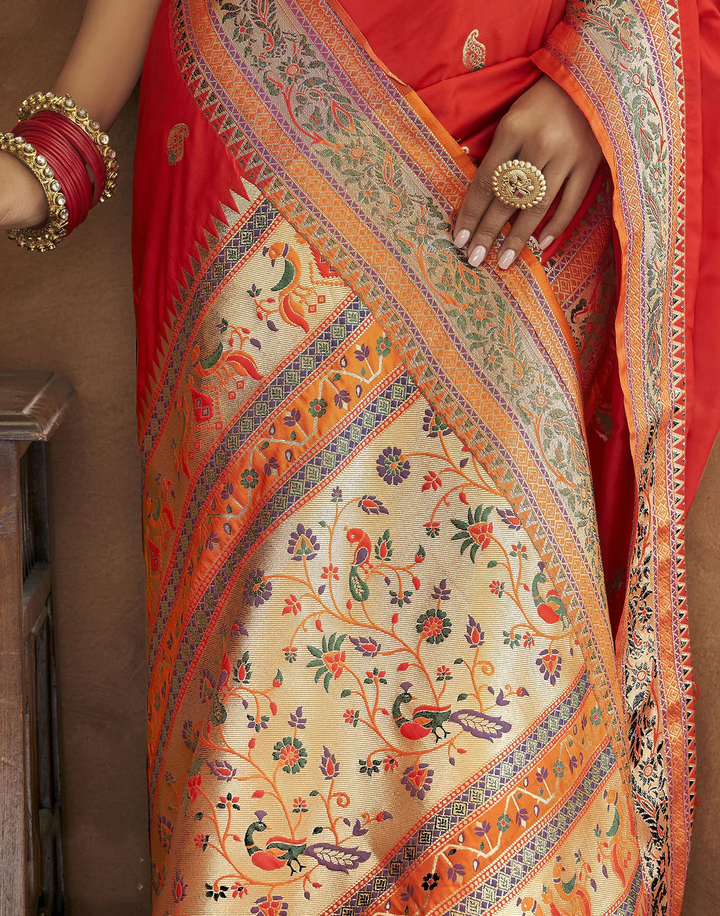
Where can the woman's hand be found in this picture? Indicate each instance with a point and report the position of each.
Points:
(22, 199)
(544, 127)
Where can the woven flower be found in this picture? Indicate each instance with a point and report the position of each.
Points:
(441, 592)
(179, 888)
(292, 605)
(329, 660)
(418, 779)
(222, 769)
(193, 787)
(473, 633)
(258, 588)
(392, 467)
(510, 519)
(366, 645)
(329, 766)
(434, 626)
(475, 532)
(303, 543)
(291, 753)
(433, 424)
(269, 906)
(550, 664)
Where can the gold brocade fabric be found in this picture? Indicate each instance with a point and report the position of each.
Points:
(381, 674)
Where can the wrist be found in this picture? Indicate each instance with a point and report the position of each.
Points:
(70, 156)
(23, 203)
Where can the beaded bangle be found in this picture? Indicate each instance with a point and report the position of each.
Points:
(65, 105)
(48, 236)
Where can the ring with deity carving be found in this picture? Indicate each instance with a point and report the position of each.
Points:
(518, 184)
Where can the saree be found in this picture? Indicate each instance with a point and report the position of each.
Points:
(382, 673)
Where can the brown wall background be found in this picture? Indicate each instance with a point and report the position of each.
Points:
(71, 311)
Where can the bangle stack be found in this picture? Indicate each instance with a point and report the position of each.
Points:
(72, 158)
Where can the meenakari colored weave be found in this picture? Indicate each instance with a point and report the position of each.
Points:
(382, 678)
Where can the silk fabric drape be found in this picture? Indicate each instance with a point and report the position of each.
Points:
(382, 677)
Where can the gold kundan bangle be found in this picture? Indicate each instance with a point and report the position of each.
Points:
(65, 105)
(48, 236)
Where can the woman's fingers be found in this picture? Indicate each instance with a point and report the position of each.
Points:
(480, 193)
(490, 226)
(576, 188)
(527, 221)
(498, 214)
(546, 128)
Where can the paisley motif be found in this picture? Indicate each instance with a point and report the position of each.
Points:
(474, 52)
(176, 143)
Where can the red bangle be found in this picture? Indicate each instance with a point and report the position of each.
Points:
(70, 155)
(69, 132)
(79, 130)
(69, 168)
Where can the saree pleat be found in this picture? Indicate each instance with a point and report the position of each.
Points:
(382, 675)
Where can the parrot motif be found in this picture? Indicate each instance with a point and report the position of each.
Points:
(223, 365)
(362, 545)
(551, 608)
(280, 851)
(426, 719)
(292, 295)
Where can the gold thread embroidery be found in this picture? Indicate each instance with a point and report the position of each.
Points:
(473, 52)
(176, 143)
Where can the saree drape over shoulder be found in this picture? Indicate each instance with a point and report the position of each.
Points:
(380, 484)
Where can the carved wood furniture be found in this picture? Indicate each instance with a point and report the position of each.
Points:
(32, 405)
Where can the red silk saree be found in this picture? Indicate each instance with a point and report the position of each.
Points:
(382, 672)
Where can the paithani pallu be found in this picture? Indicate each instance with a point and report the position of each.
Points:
(382, 677)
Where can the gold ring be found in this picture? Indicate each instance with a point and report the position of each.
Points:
(518, 184)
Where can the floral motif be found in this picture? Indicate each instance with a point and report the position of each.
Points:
(366, 645)
(474, 533)
(249, 478)
(550, 664)
(383, 346)
(442, 591)
(430, 881)
(164, 827)
(392, 466)
(418, 779)
(270, 906)
(193, 787)
(372, 505)
(329, 660)
(303, 544)
(243, 668)
(318, 407)
(258, 589)
(179, 888)
(434, 425)
(292, 605)
(291, 753)
(222, 770)
(434, 626)
(329, 766)
(509, 518)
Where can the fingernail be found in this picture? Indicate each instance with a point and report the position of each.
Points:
(506, 259)
(477, 256)
(546, 241)
(462, 238)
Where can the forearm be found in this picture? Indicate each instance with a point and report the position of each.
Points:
(106, 59)
(101, 70)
